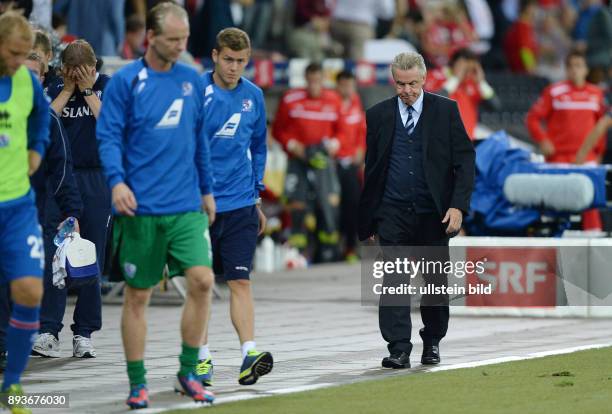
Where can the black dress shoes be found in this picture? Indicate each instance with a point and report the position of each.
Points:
(431, 355)
(397, 360)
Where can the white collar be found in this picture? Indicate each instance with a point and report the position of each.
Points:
(417, 106)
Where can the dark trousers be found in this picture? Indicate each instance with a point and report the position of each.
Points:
(401, 226)
(350, 189)
(94, 222)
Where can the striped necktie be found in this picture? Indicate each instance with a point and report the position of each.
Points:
(410, 121)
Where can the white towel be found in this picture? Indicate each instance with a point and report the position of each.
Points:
(59, 263)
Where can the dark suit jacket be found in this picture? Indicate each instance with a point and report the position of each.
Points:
(448, 157)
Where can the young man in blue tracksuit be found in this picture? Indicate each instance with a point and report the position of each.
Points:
(24, 134)
(53, 179)
(235, 124)
(77, 100)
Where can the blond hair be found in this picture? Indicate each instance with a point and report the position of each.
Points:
(12, 22)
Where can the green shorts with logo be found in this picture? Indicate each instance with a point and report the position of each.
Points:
(143, 245)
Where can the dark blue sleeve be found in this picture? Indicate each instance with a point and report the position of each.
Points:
(54, 89)
(61, 182)
(101, 84)
(38, 121)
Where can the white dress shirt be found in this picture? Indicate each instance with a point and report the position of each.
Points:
(417, 109)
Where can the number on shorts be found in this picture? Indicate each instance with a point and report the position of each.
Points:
(36, 250)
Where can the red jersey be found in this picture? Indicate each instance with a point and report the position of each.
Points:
(352, 128)
(521, 35)
(569, 113)
(305, 119)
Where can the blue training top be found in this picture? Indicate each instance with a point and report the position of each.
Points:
(235, 124)
(150, 137)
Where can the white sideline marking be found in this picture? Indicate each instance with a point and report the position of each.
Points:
(291, 390)
(518, 358)
(234, 398)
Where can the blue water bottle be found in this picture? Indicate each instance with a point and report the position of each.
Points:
(65, 230)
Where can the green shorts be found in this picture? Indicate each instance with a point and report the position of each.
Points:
(143, 245)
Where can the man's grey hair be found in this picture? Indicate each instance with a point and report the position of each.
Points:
(409, 60)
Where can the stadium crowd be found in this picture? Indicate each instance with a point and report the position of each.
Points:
(321, 130)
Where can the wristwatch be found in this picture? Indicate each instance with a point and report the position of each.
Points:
(87, 92)
(258, 201)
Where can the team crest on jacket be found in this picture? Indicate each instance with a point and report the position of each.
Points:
(247, 105)
(187, 88)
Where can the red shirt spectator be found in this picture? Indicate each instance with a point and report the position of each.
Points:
(448, 33)
(465, 83)
(305, 10)
(570, 110)
(352, 129)
(468, 99)
(520, 45)
(569, 113)
(306, 119)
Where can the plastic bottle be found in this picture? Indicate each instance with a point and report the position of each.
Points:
(267, 254)
(64, 231)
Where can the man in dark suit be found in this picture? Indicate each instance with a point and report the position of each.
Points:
(419, 175)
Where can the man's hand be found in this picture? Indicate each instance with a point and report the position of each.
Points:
(69, 83)
(332, 145)
(262, 221)
(581, 157)
(124, 200)
(210, 207)
(34, 161)
(547, 148)
(461, 69)
(453, 217)
(76, 225)
(297, 149)
(85, 77)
